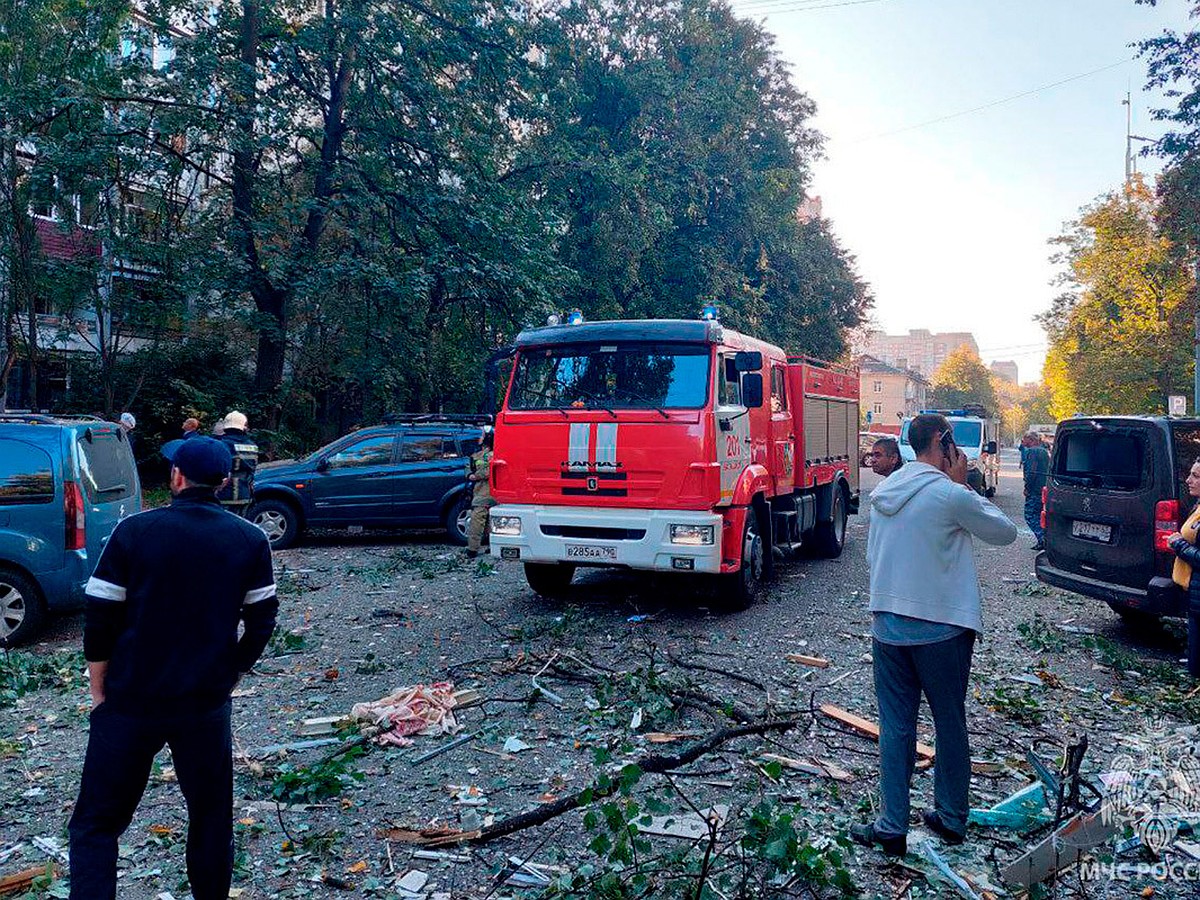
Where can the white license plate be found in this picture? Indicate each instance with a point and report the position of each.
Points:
(1093, 531)
(579, 551)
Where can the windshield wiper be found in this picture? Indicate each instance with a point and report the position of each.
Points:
(526, 389)
(588, 394)
(634, 395)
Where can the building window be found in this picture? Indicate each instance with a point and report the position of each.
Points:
(878, 409)
(879, 387)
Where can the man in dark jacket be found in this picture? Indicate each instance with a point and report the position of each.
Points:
(1035, 466)
(161, 640)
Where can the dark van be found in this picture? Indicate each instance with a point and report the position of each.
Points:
(65, 483)
(1116, 491)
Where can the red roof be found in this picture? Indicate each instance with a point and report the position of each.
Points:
(65, 243)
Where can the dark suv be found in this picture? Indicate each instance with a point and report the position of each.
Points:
(65, 483)
(407, 473)
(1115, 492)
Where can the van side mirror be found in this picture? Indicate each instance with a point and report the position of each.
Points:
(747, 361)
(752, 390)
(323, 464)
(990, 449)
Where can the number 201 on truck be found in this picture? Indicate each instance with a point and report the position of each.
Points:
(670, 446)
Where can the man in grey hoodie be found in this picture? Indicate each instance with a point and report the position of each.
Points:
(926, 613)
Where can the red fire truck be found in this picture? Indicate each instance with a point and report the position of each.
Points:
(670, 446)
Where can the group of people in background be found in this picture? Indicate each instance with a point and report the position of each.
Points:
(234, 432)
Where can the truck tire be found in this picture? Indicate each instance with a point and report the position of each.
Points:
(21, 607)
(549, 579)
(277, 520)
(738, 590)
(829, 538)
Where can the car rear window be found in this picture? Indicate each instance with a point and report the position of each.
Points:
(1187, 451)
(26, 474)
(106, 467)
(1100, 458)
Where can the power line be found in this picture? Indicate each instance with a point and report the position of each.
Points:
(980, 108)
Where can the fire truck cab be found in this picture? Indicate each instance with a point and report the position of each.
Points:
(670, 446)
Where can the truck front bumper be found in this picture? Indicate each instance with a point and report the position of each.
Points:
(584, 536)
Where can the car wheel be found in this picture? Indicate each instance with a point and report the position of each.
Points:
(458, 520)
(21, 608)
(739, 590)
(829, 538)
(549, 579)
(277, 520)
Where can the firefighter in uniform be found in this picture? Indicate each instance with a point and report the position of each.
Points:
(236, 494)
(478, 467)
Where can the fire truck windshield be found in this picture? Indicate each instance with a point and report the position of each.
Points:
(626, 375)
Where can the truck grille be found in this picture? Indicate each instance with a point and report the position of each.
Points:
(597, 533)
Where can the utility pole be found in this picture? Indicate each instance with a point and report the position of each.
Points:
(1130, 137)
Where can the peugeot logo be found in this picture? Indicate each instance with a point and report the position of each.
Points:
(593, 483)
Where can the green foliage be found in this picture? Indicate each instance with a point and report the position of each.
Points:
(23, 673)
(1121, 335)
(320, 781)
(1041, 636)
(346, 213)
(1017, 703)
(963, 379)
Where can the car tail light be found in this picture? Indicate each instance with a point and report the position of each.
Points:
(1045, 498)
(1166, 523)
(76, 533)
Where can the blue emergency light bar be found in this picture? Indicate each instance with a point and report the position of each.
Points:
(709, 312)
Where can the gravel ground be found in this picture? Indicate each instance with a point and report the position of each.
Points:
(363, 614)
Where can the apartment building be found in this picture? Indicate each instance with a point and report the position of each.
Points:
(889, 393)
(920, 350)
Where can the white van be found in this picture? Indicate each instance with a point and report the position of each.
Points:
(977, 436)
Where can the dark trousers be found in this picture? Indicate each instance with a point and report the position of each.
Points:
(902, 673)
(120, 751)
(1033, 514)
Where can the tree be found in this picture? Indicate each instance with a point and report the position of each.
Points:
(963, 379)
(675, 150)
(1121, 333)
(49, 138)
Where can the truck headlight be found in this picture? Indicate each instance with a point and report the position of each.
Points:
(693, 535)
(507, 525)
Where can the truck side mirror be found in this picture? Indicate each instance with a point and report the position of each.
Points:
(323, 464)
(747, 361)
(990, 448)
(752, 390)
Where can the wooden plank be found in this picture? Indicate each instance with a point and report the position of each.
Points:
(814, 661)
(20, 881)
(811, 767)
(867, 728)
(1064, 847)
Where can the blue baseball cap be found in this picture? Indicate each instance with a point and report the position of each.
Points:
(201, 459)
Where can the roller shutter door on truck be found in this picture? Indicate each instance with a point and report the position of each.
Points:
(816, 430)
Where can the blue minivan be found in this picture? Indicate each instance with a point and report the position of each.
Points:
(65, 483)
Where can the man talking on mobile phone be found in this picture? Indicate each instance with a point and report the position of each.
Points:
(926, 613)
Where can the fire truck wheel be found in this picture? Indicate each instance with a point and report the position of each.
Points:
(739, 589)
(549, 579)
(830, 537)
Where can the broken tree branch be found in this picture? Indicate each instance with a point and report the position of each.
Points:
(653, 763)
(736, 676)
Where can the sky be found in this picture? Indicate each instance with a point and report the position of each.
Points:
(950, 221)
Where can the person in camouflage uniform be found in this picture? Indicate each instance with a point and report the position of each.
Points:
(478, 468)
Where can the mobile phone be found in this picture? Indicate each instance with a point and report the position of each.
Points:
(947, 440)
